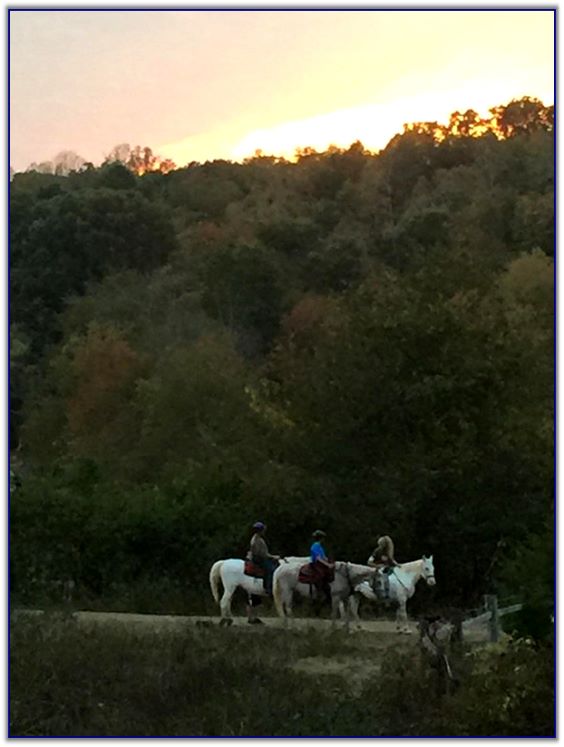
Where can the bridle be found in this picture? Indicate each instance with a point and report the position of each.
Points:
(429, 577)
(426, 577)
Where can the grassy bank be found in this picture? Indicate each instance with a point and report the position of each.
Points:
(69, 680)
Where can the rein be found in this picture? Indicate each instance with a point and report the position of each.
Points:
(399, 580)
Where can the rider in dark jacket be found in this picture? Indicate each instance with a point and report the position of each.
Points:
(258, 553)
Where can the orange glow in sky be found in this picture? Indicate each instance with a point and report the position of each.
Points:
(195, 86)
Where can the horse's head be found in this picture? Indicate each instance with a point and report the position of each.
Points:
(428, 570)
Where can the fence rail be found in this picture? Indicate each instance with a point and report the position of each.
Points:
(491, 616)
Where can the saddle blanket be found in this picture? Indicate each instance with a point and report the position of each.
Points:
(252, 569)
(315, 574)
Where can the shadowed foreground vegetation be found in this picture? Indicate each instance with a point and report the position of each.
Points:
(68, 680)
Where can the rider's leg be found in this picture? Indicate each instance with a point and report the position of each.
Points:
(327, 590)
(269, 568)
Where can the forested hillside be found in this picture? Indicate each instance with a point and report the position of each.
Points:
(359, 342)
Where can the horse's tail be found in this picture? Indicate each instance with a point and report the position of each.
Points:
(277, 593)
(215, 578)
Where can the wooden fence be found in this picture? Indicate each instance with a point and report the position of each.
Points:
(491, 614)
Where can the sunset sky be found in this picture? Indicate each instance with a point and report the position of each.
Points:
(198, 85)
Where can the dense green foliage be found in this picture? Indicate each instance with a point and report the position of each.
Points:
(69, 680)
(357, 341)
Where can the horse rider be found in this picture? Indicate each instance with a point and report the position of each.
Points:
(383, 554)
(258, 553)
(322, 567)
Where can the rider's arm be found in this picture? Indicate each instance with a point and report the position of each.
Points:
(372, 560)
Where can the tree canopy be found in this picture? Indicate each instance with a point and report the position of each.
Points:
(354, 340)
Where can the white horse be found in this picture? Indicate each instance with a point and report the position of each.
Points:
(347, 577)
(231, 574)
(403, 580)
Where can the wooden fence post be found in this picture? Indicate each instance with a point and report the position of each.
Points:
(493, 622)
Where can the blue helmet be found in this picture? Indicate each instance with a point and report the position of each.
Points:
(259, 525)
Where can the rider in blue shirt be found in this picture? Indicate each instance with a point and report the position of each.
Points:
(317, 552)
(321, 564)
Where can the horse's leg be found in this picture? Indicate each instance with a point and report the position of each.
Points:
(402, 617)
(249, 608)
(252, 611)
(288, 609)
(335, 606)
(347, 616)
(225, 604)
(353, 609)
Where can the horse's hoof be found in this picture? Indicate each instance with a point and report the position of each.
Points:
(225, 622)
(255, 621)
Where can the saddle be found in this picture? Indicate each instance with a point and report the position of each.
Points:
(315, 574)
(252, 569)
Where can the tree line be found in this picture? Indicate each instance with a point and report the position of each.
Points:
(356, 341)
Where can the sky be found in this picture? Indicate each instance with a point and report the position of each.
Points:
(199, 85)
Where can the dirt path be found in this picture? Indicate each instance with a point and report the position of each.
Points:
(180, 621)
(358, 662)
(384, 628)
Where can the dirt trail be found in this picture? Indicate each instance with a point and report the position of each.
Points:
(355, 666)
(384, 628)
(179, 621)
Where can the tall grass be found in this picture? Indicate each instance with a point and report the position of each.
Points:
(68, 679)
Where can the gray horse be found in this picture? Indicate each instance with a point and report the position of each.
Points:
(402, 582)
(347, 577)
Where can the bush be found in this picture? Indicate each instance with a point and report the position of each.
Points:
(505, 689)
(144, 549)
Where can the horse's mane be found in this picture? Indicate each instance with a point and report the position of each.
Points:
(355, 567)
(411, 564)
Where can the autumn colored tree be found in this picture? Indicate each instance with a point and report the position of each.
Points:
(140, 160)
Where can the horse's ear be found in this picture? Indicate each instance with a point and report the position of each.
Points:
(424, 558)
(431, 558)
